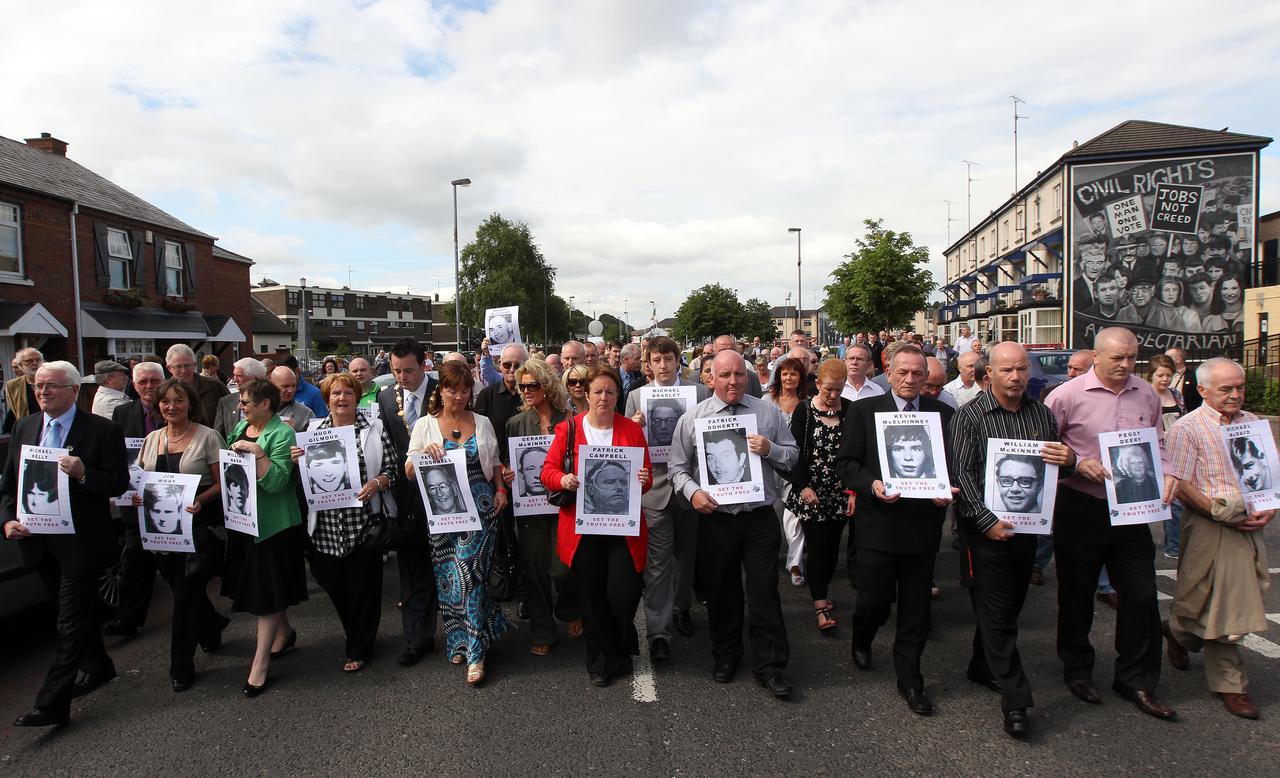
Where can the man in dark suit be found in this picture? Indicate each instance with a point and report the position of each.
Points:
(399, 407)
(136, 420)
(896, 538)
(70, 564)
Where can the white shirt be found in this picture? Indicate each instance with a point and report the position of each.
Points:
(106, 400)
(597, 437)
(963, 345)
(962, 393)
(869, 389)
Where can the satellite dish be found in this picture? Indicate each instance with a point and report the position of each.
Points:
(595, 327)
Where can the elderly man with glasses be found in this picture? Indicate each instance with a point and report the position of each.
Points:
(181, 361)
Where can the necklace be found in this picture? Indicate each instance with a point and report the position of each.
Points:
(456, 431)
(168, 441)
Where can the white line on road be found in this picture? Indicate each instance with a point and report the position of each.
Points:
(1275, 617)
(1161, 596)
(1168, 574)
(644, 687)
(1262, 646)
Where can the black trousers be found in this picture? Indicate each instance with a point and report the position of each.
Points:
(354, 586)
(822, 543)
(194, 617)
(729, 546)
(1085, 541)
(548, 591)
(139, 578)
(417, 589)
(1000, 571)
(607, 579)
(79, 645)
(880, 576)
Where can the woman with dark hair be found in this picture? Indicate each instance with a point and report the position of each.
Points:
(787, 391)
(329, 367)
(1228, 306)
(266, 574)
(462, 560)
(606, 568)
(342, 560)
(183, 445)
(1160, 372)
(1169, 311)
(545, 405)
(817, 495)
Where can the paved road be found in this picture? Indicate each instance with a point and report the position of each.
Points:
(539, 716)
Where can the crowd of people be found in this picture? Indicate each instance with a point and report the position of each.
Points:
(820, 468)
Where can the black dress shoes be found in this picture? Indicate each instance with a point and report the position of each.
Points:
(88, 682)
(41, 717)
(180, 684)
(683, 622)
(253, 691)
(723, 671)
(776, 685)
(119, 629)
(982, 680)
(599, 679)
(288, 645)
(917, 701)
(213, 640)
(1017, 723)
(660, 650)
(862, 658)
(410, 657)
(1145, 702)
(1085, 691)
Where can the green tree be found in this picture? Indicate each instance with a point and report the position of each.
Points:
(708, 311)
(881, 284)
(503, 266)
(757, 321)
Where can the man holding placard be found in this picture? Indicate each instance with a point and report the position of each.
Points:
(1108, 399)
(742, 535)
(898, 528)
(96, 470)
(998, 553)
(1222, 572)
(673, 525)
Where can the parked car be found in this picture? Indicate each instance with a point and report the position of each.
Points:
(1048, 369)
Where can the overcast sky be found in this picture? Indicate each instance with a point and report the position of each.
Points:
(652, 147)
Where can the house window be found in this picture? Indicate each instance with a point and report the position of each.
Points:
(10, 241)
(339, 301)
(360, 324)
(173, 269)
(119, 259)
(1006, 233)
(338, 323)
(1037, 204)
(1057, 199)
(294, 299)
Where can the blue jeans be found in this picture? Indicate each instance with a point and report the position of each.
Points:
(1173, 530)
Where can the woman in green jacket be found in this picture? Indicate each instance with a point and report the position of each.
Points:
(266, 574)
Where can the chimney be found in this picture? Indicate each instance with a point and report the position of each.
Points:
(48, 144)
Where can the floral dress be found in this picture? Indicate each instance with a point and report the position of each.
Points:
(823, 477)
(462, 560)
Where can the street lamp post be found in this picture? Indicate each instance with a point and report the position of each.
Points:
(624, 322)
(799, 299)
(570, 317)
(457, 290)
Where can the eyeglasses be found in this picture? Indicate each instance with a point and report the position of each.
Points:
(51, 387)
(532, 387)
(574, 381)
(511, 365)
(1025, 483)
(182, 366)
(243, 403)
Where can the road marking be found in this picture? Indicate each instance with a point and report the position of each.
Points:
(1160, 596)
(1274, 617)
(644, 687)
(1168, 574)
(1262, 646)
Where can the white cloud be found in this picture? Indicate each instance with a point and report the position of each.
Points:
(651, 147)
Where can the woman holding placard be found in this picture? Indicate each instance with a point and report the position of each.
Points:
(266, 574)
(462, 560)
(184, 445)
(344, 560)
(545, 404)
(606, 568)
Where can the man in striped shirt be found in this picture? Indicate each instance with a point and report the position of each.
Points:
(1222, 572)
(997, 560)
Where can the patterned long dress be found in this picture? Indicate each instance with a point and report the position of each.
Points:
(462, 560)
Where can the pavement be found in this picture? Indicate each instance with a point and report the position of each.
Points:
(539, 716)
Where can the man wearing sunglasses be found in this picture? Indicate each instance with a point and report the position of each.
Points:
(998, 560)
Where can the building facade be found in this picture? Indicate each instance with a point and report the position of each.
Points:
(342, 318)
(1262, 302)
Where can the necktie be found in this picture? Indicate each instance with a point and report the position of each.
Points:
(52, 437)
(148, 425)
(911, 405)
(410, 409)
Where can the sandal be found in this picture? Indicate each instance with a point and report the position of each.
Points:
(475, 673)
(457, 659)
(575, 629)
(353, 665)
(539, 649)
(825, 620)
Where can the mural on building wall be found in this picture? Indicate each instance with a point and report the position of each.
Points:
(1164, 248)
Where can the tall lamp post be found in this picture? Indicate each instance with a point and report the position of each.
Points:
(457, 290)
(799, 299)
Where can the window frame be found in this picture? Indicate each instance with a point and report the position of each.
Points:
(114, 260)
(172, 289)
(16, 224)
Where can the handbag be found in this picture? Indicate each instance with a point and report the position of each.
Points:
(565, 497)
(387, 531)
(504, 575)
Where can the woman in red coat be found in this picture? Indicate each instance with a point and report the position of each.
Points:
(606, 568)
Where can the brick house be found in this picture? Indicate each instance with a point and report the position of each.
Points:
(90, 271)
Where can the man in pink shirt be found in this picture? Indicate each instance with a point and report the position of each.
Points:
(1106, 399)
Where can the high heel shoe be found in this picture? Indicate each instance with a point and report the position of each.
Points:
(288, 645)
(475, 673)
(253, 691)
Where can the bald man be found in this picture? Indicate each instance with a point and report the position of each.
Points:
(729, 343)
(291, 412)
(935, 381)
(965, 386)
(362, 371)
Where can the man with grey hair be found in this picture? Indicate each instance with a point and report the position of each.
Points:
(96, 470)
(629, 366)
(965, 386)
(572, 353)
(181, 361)
(1222, 572)
(19, 392)
(858, 364)
(964, 343)
(228, 415)
(291, 412)
(111, 377)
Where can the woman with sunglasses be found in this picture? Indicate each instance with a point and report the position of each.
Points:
(545, 404)
(575, 383)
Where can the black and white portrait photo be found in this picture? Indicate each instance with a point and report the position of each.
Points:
(727, 461)
(529, 472)
(235, 488)
(607, 487)
(163, 509)
(1020, 483)
(502, 327)
(661, 417)
(40, 492)
(1134, 474)
(325, 466)
(1249, 460)
(444, 494)
(910, 451)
